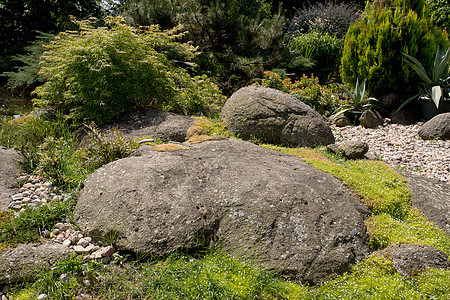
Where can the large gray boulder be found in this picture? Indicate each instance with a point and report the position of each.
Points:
(248, 200)
(436, 128)
(9, 171)
(153, 123)
(275, 117)
(21, 262)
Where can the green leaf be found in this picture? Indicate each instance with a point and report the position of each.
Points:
(442, 69)
(418, 68)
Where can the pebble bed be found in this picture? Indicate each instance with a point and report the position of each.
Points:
(35, 191)
(401, 147)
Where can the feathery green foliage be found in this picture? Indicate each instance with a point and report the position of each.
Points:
(98, 73)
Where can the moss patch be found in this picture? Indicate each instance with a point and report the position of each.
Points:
(394, 220)
(169, 148)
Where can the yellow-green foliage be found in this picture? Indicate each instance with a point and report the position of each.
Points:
(376, 278)
(379, 186)
(414, 228)
(384, 191)
(374, 45)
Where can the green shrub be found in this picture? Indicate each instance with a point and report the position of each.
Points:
(325, 50)
(374, 45)
(440, 12)
(96, 74)
(322, 99)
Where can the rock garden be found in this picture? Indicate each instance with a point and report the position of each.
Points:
(136, 177)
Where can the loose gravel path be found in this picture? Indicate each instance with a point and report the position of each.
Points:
(401, 147)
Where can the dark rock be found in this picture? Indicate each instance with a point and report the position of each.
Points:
(390, 101)
(19, 263)
(432, 197)
(342, 121)
(350, 149)
(371, 119)
(405, 117)
(436, 128)
(248, 200)
(155, 124)
(275, 117)
(409, 259)
(9, 172)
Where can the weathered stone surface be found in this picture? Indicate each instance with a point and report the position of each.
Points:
(390, 101)
(9, 171)
(410, 259)
(247, 199)
(405, 117)
(342, 121)
(432, 197)
(371, 119)
(350, 149)
(436, 128)
(16, 264)
(155, 124)
(275, 117)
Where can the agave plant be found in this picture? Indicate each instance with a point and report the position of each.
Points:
(439, 79)
(358, 102)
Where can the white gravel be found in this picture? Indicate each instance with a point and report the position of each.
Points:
(401, 147)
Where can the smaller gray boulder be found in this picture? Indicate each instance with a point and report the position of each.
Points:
(350, 149)
(19, 263)
(275, 117)
(342, 121)
(153, 123)
(371, 119)
(409, 259)
(436, 128)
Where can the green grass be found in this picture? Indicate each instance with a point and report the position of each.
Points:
(376, 278)
(26, 228)
(212, 276)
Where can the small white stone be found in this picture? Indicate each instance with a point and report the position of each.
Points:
(67, 242)
(42, 297)
(83, 242)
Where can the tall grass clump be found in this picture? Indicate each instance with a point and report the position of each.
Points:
(98, 73)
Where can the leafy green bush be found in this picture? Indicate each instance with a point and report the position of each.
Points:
(374, 45)
(96, 74)
(325, 50)
(321, 98)
(329, 17)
